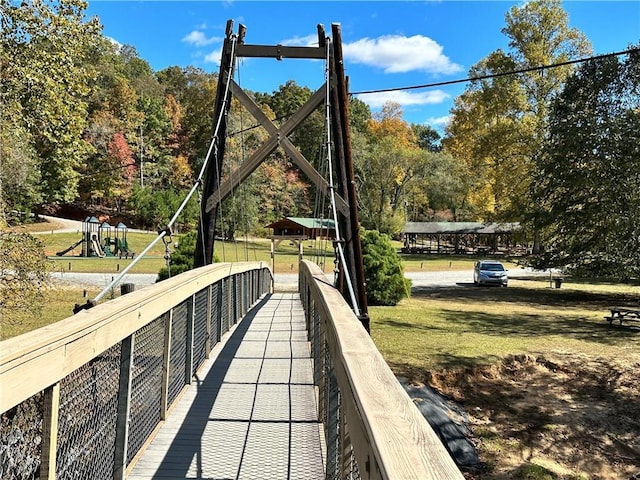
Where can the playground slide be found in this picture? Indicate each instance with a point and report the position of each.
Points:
(67, 250)
(97, 249)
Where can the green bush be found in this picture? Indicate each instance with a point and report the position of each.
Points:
(181, 259)
(384, 276)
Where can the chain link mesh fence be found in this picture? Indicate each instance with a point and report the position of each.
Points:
(146, 383)
(178, 351)
(89, 397)
(21, 439)
(200, 329)
(224, 327)
(87, 418)
(216, 313)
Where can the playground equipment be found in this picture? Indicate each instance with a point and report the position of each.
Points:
(101, 240)
(120, 242)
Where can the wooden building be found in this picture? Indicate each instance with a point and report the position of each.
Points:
(299, 228)
(464, 238)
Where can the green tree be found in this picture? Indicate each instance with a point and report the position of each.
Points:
(428, 138)
(589, 172)
(197, 101)
(24, 273)
(539, 34)
(154, 208)
(388, 165)
(498, 124)
(440, 187)
(359, 115)
(383, 272)
(45, 86)
(490, 134)
(19, 172)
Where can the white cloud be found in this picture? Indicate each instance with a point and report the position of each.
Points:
(307, 41)
(214, 56)
(398, 54)
(115, 43)
(438, 122)
(199, 39)
(404, 98)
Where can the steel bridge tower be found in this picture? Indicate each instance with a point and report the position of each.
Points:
(350, 278)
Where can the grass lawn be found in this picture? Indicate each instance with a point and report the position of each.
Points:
(550, 391)
(57, 304)
(255, 249)
(469, 326)
(441, 263)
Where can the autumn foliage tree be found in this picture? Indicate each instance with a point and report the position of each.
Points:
(396, 170)
(46, 83)
(498, 123)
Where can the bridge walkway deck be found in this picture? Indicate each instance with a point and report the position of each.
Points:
(252, 413)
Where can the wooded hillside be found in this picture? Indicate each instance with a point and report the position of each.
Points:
(87, 121)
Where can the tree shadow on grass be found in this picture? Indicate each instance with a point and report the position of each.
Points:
(466, 292)
(500, 320)
(390, 322)
(541, 325)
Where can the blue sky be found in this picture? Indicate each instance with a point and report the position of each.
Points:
(386, 44)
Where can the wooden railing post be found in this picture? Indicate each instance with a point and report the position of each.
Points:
(124, 403)
(50, 432)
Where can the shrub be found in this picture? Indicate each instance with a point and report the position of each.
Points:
(181, 259)
(384, 276)
(24, 273)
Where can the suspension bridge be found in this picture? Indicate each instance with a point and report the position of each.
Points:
(211, 374)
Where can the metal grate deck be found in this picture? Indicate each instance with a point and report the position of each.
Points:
(253, 412)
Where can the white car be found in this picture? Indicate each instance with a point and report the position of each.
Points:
(490, 272)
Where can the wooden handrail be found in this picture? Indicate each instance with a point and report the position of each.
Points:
(31, 362)
(390, 437)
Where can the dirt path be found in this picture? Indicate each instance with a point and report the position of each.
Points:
(560, 417)
(63, 224)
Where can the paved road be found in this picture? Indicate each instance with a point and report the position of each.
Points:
(101, 280)
(289, 281)
(63, 225)
(75, 226)
(283, 281)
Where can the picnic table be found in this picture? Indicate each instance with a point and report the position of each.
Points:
(623, 314)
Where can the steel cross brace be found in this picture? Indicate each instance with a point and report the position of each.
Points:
(277, 137)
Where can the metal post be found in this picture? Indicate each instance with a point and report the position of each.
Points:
(188, 371)
(206, 233)
(166, 366)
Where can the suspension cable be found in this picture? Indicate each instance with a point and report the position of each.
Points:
(167, 229)
(320, 208)
(332, 197)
